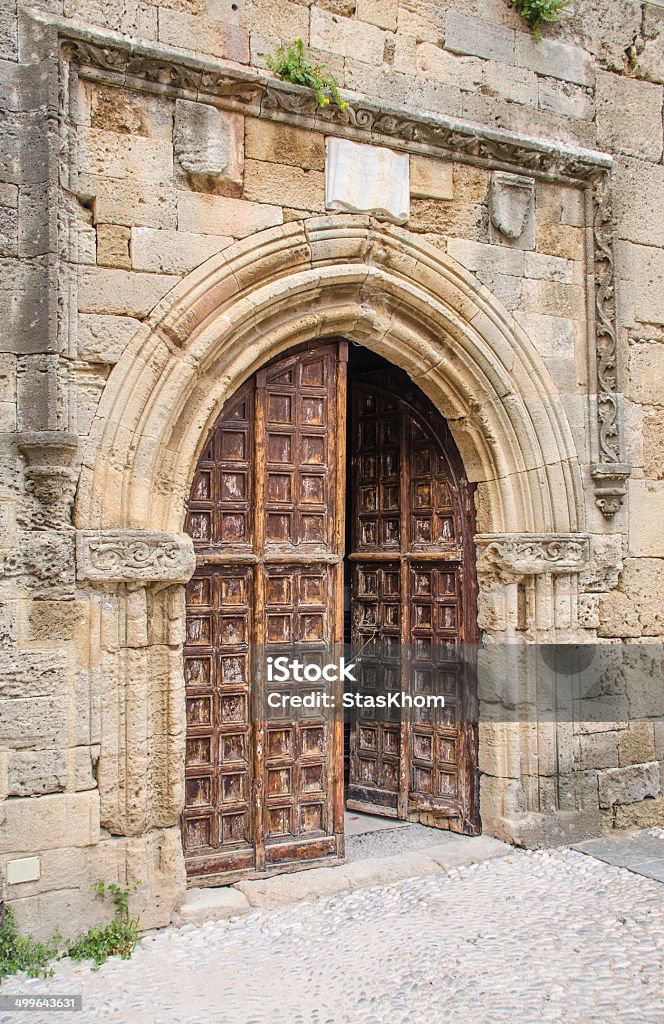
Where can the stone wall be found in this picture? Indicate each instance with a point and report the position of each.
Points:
(120, 173)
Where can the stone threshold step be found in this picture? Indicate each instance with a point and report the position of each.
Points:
(214, 904)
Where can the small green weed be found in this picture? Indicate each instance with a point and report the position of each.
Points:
(117, 938)
(537, 13)
(22, 952)
(291, 65)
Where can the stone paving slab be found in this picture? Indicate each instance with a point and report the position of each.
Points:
(641, 852)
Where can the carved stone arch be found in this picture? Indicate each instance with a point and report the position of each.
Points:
(389, 290)
(375, 284)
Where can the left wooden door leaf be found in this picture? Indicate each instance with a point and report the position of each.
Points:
(264, 787)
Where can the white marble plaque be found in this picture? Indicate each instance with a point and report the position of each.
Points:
(367, 179)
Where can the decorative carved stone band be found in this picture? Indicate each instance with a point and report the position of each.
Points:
(528, 554)
(158, 69)
(125, 556)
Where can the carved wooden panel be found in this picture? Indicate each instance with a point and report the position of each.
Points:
(221, 497)
(300, 427)
(375, 739)
(265, 504)
(413, 594)
(299, 610)
(217, 663)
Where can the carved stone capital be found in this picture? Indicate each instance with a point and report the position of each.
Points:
(126, 556)
(610, 486)
(510, 556)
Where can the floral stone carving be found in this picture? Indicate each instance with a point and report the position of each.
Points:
(119, 556)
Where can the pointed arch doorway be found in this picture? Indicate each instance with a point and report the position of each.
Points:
(329, 504)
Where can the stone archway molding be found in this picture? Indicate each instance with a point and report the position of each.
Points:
(377, 285)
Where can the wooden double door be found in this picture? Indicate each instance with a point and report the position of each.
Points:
(291, 524)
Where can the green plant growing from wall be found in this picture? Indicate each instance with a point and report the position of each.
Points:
(537, 13)
(22, 952)
(117, 938)
(291, 65)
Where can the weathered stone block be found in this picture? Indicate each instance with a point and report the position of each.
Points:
(653, 445)
(543, 267)
(560, 240)
(134, 17)
(278, 21)
(635, 610)
(646, 814)
(103, 339)
(440, 217)
(173, 252)
(216, 215)
(204, 35)
(32, 674)
(113, 246)
(124, 292)
(379, 12)
(510, 83)
(9, 30)
(430, 178)
(35, 772)
(47, 621)
(56, 820)
(403, 89)
(629, 116)
(431, 62)
(649, 57)
(283, 144)
(48, 563)
(209, 145)
(559, 204)
(347, 37)
(124, 156)
(278, 183)
(598, 750)
(479, 38)
(131, 202)
(629, 785)
(21, 163)
(554, 299)
(636, 743)
(639, 201)
(24, 304)
(646, 293)
(566, 99)
(8, 231)
(552, 335)
(646, 502)
(483, 258)
(553, 58)
(122, 110)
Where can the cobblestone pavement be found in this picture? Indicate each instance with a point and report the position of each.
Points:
(551, 936)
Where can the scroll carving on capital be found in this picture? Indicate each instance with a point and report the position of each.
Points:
(125, 556)
(508, 557)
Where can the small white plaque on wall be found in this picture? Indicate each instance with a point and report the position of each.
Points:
(367, 179)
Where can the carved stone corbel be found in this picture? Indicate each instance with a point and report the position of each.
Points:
(610, 486)
(50, 479)
(133, 556)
